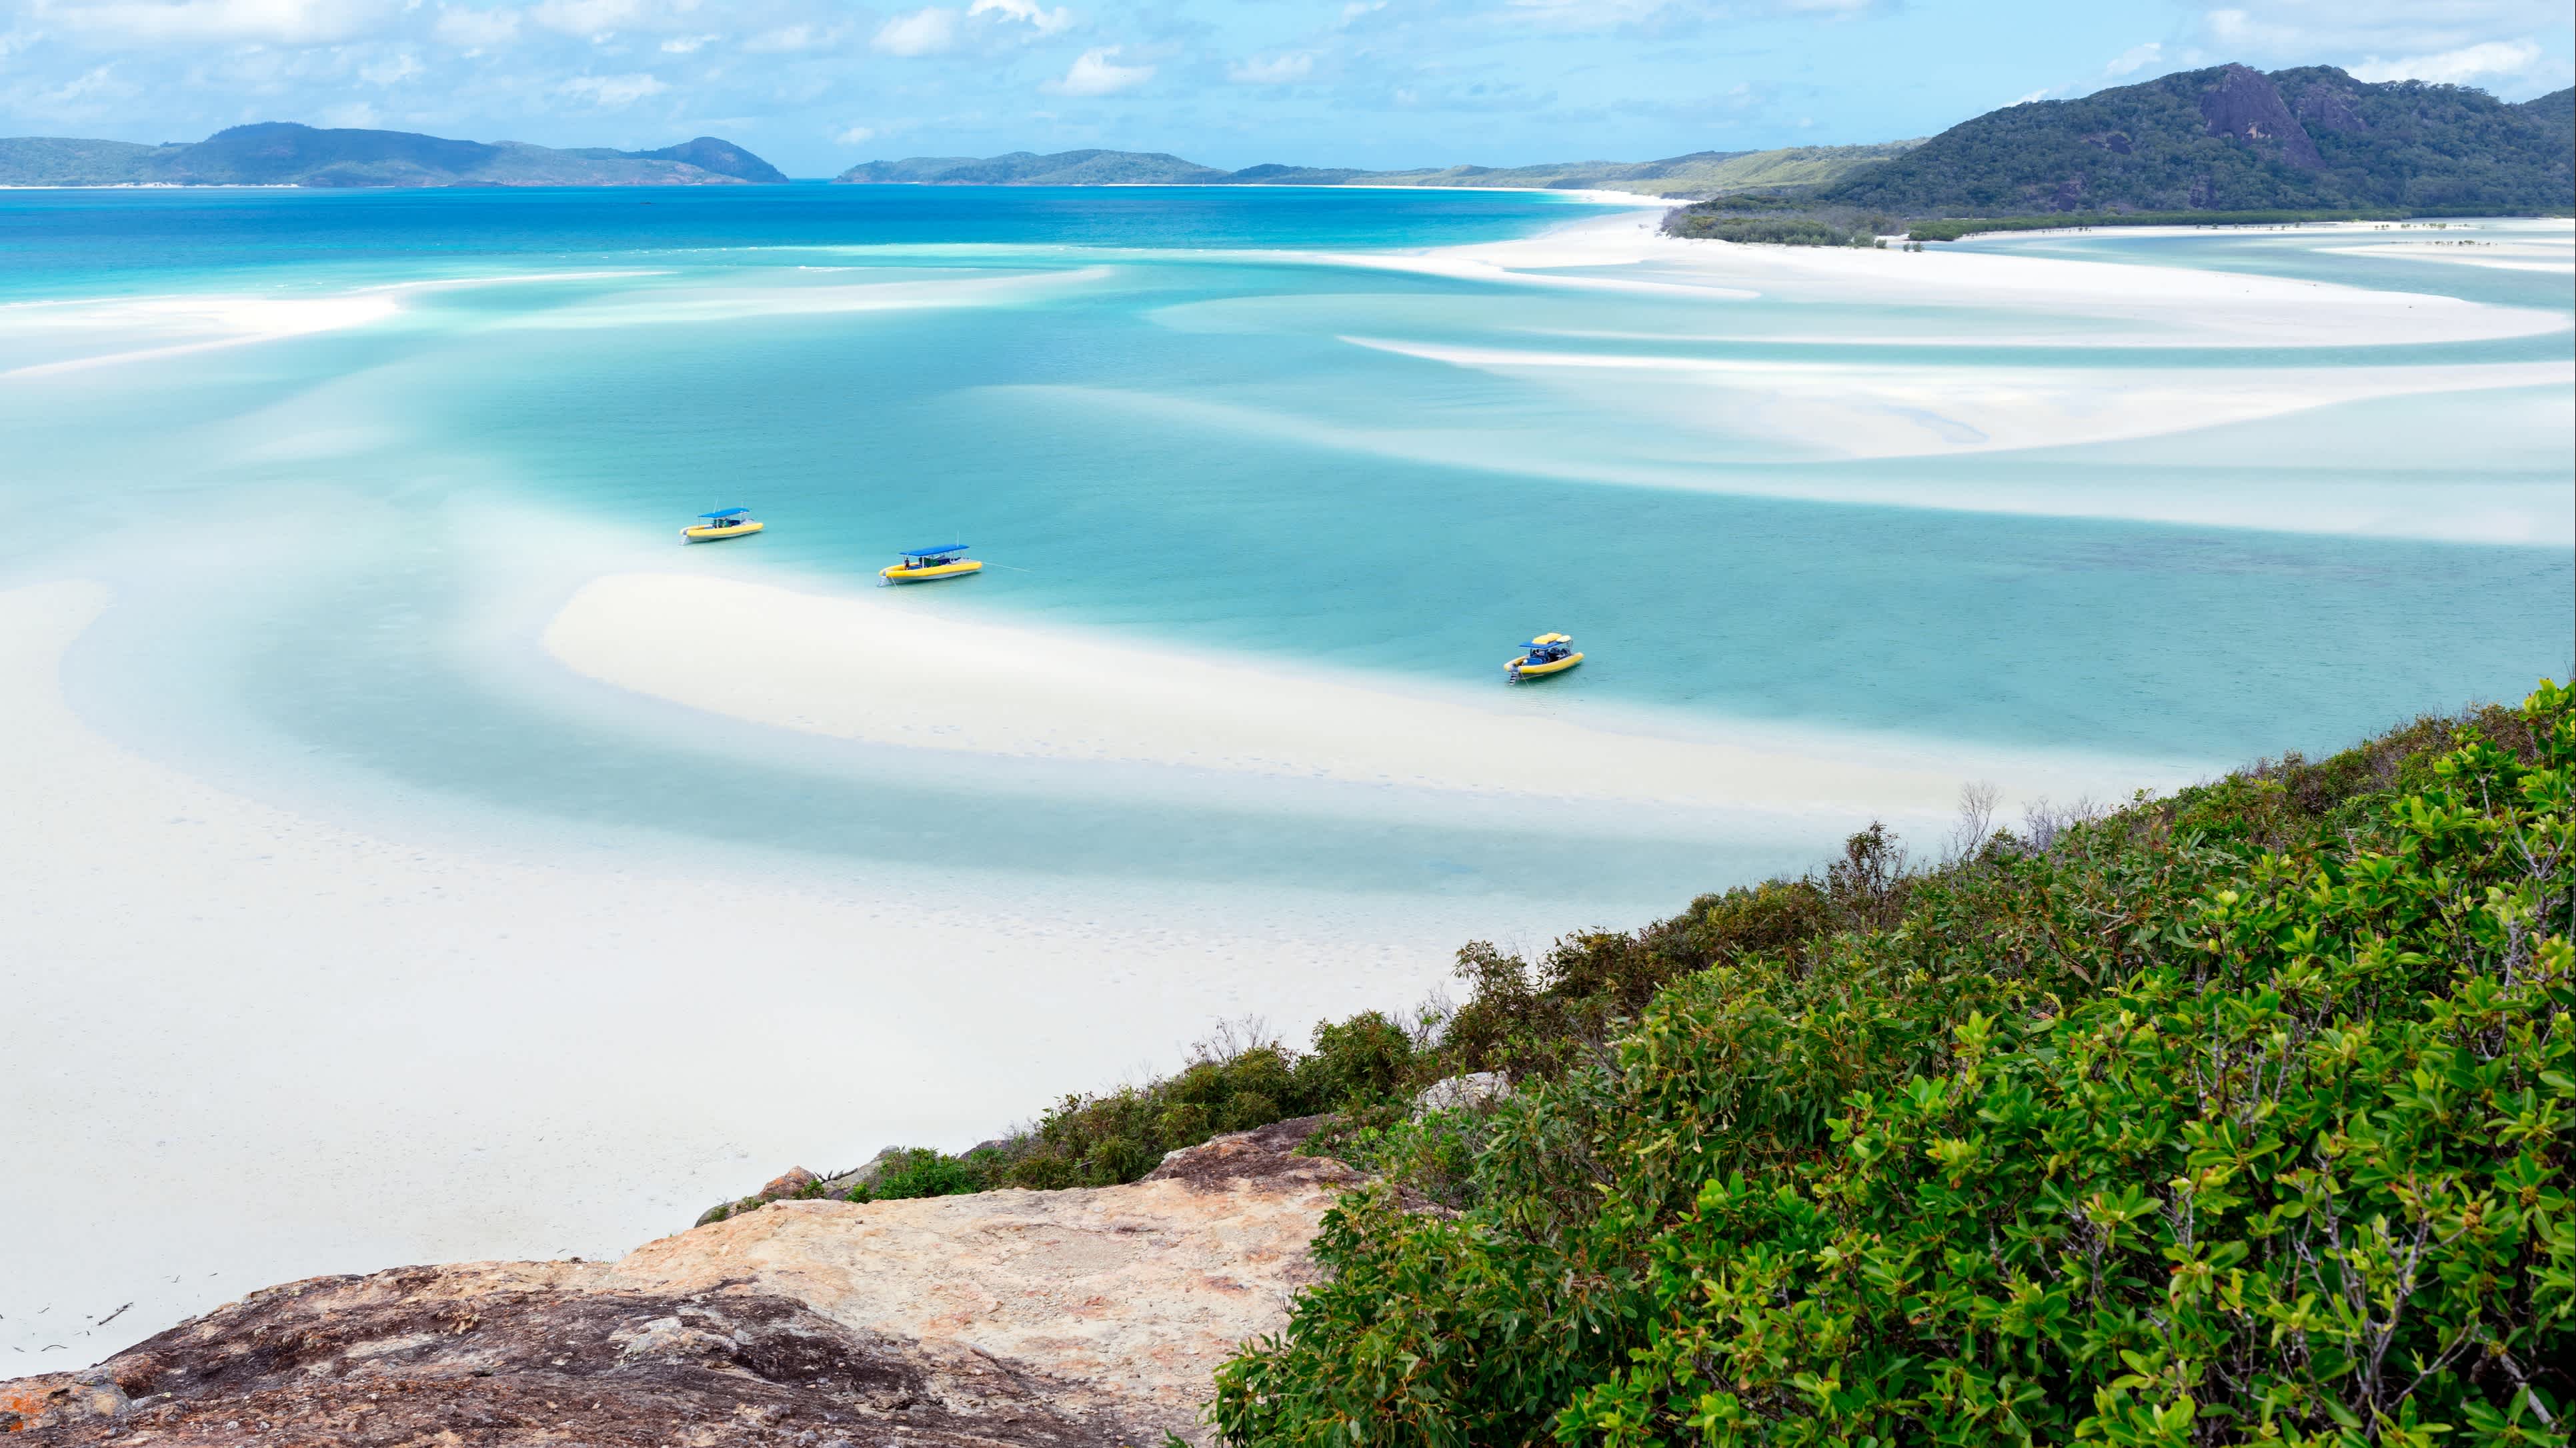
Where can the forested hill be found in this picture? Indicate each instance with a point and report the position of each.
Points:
(280, 153)
(2232, 138)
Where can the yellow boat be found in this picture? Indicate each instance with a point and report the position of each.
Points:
(729, 523)
(929, 565)
(1550, 653)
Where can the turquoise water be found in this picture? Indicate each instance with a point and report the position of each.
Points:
(2305, 254)
(142, 240)
(1146, 408)
(465, 955)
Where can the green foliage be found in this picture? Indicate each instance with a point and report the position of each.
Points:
(2231, 139)
(60, 161)
(1362, 1068)
(1955, 228)
(918, 1172)
(2240, 1116)
(1771, 230)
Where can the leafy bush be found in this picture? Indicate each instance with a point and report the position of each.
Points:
(918, 1172)
(1726, 221)
(1364, 1068)
(1952, 230)
(2240, 1116)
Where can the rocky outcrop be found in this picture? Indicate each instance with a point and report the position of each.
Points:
(2327, 107)
(1474, 1090)
(1082, 1317)
(795, 1182)
(2246, 105)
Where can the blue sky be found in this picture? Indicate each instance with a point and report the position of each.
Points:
(818, 84)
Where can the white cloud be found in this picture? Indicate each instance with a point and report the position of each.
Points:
(612, 92)
(2456, 67)
(1283, 69)
(1666, 16)
(2239, 27)
(1043, 21)
(2135, 59)
(923, 32)
(402, 66)
(853, 136)
(686, 44)
(594, 18)
(1094, 73)
(469, 29)
(2037, 95)
(1587, 14)
(258, 22)
(2307, 31)
(785, 39)
(101, 82)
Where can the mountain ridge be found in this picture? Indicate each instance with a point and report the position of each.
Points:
(2232, 138)
(1710, 172)
(285, 153)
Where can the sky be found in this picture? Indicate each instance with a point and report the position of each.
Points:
(818, 85)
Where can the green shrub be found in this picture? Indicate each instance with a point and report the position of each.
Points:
(919, 1172)
(1952, 230)
(1363, 1067)
(1774, 230)
(2241, 1116)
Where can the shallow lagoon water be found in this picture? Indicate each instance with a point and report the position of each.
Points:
(359, 448)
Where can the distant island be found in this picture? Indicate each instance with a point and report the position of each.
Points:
(281, 153)
(2226, 139)
(2221, 141)
(1701, 173)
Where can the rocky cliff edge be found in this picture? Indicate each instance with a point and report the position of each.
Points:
(1072, 1318)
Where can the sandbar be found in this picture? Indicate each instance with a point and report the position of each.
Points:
(878, 668)
(246, 1045)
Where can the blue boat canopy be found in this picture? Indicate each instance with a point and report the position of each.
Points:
(934, 552)
(727, 513)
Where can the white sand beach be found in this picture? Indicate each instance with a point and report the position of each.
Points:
(1850, 410)
(104, 333)
(42, 339)
(873, 668)
(2155, 305)
(2532, 246)
(246, 1046)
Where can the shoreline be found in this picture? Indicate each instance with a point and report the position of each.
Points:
(782, 657)
(327, 1035)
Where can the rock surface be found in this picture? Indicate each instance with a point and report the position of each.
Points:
(1086, 1317)
(1461, 1093)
